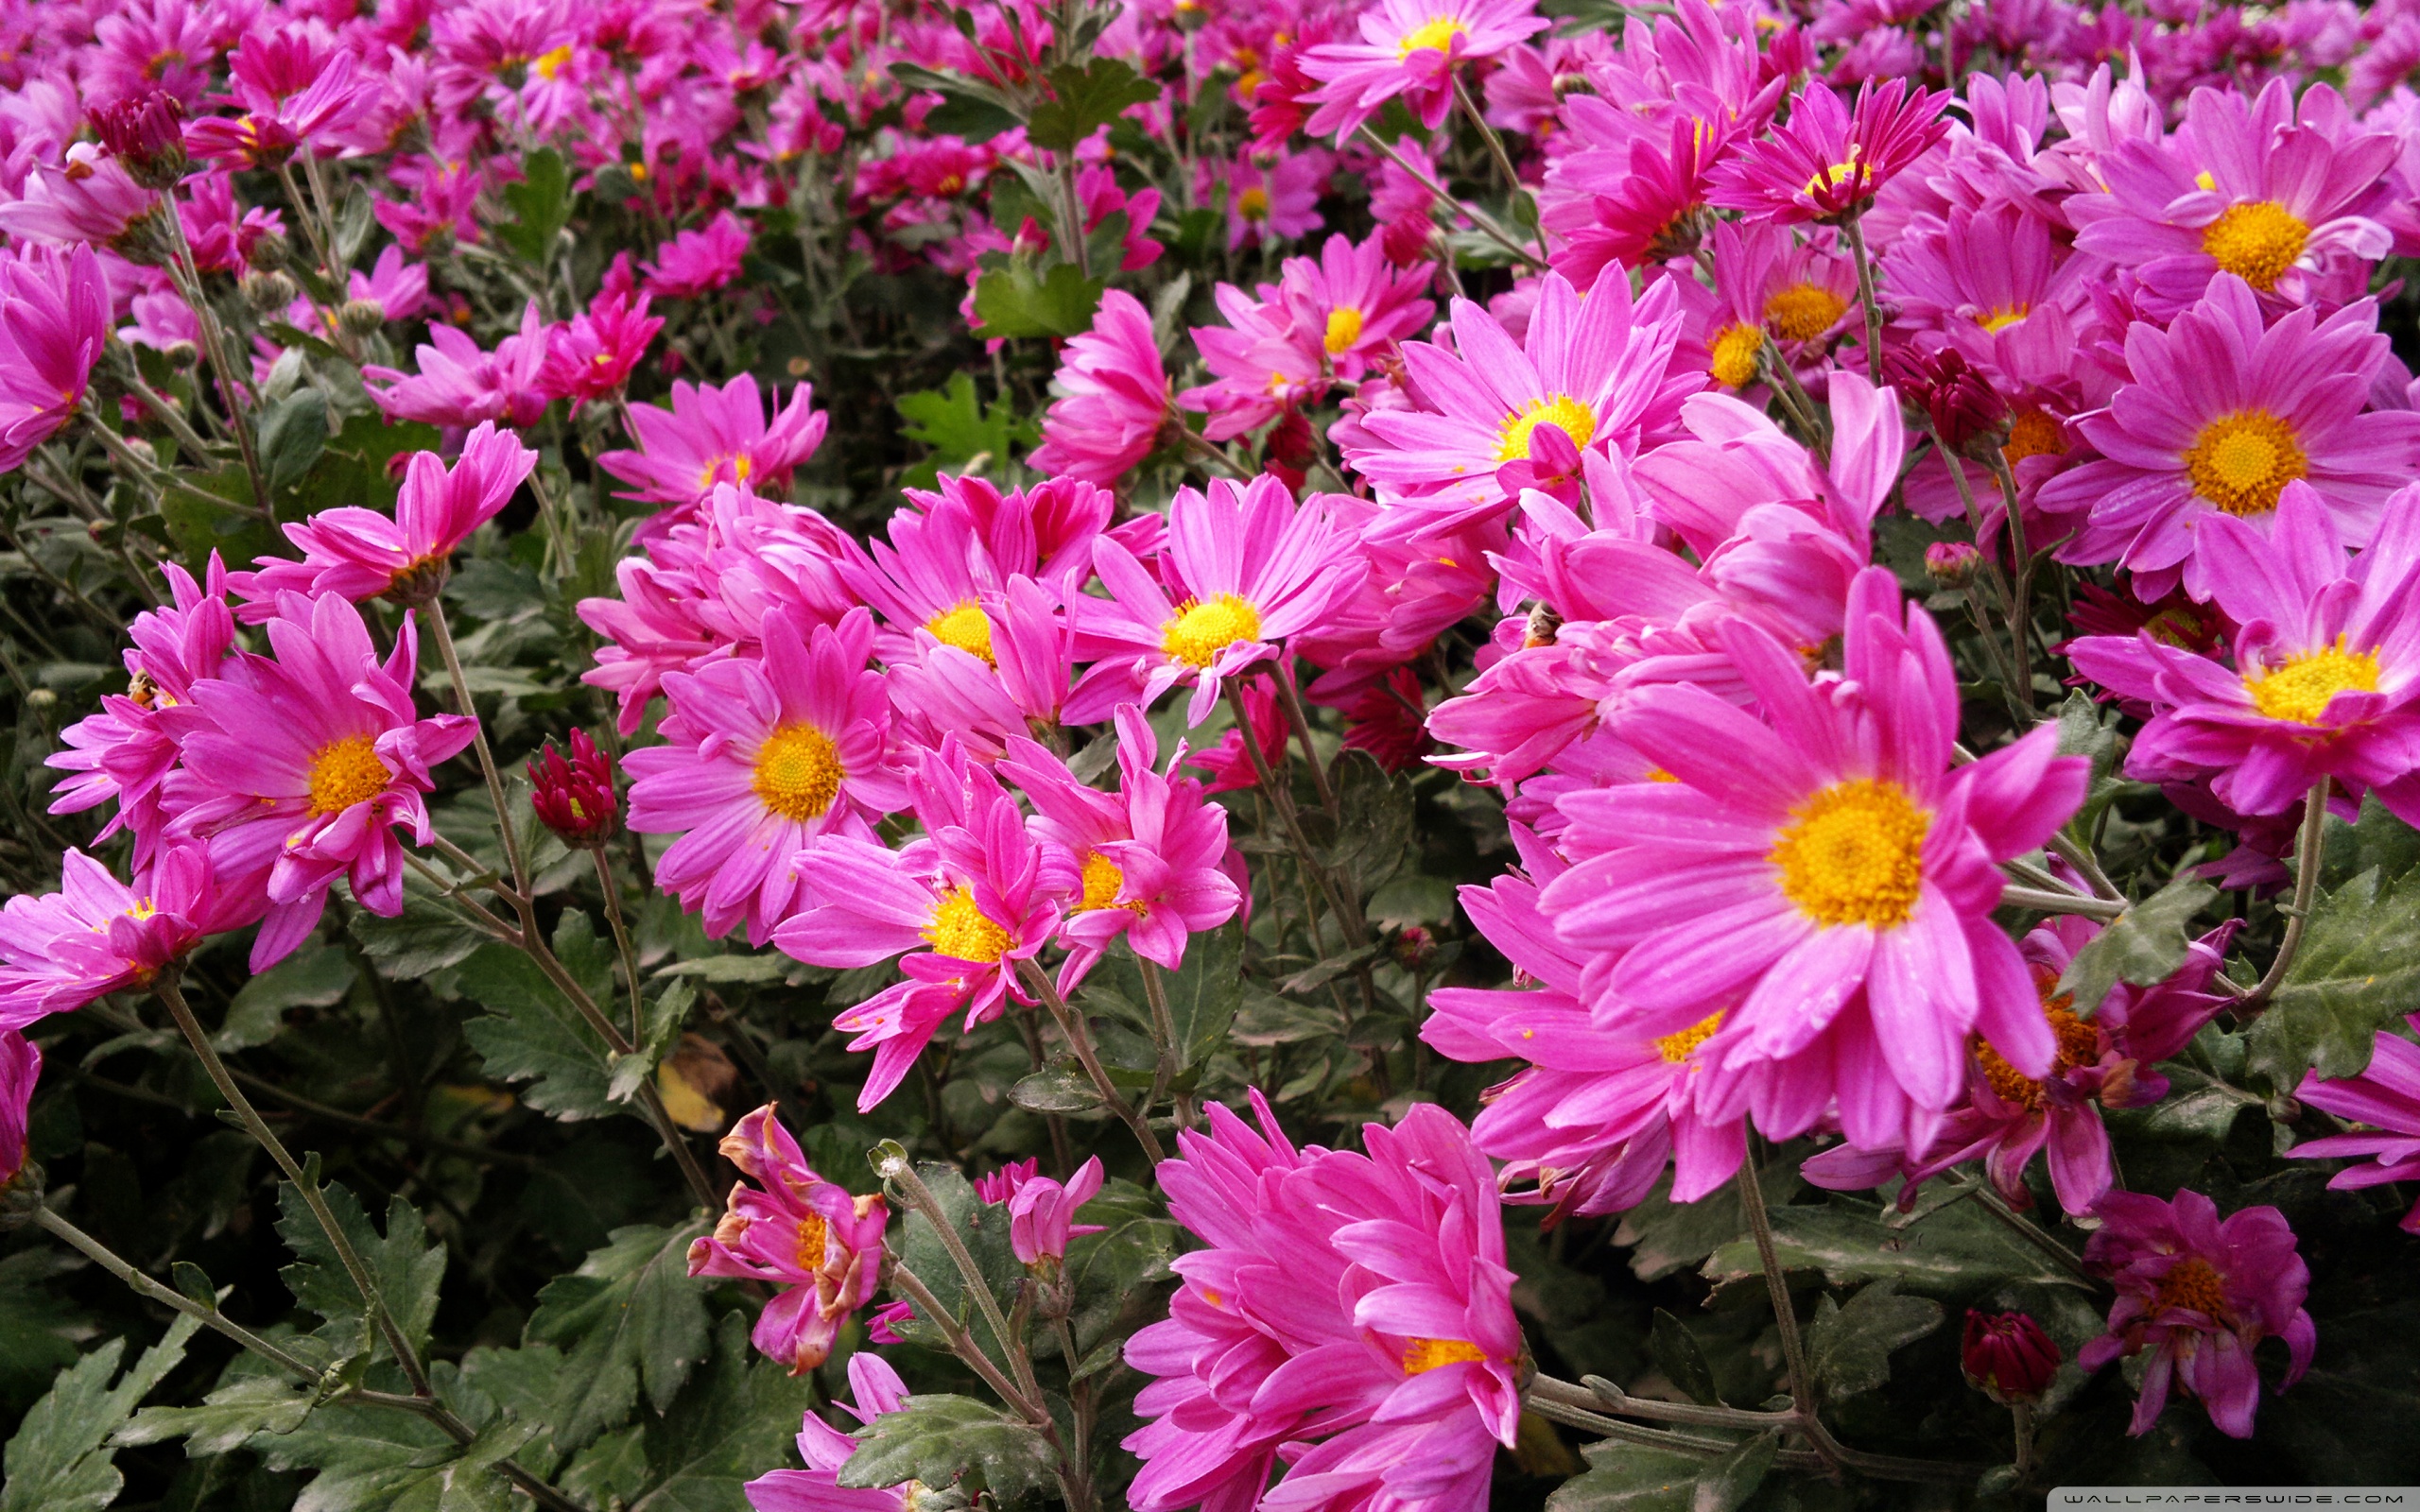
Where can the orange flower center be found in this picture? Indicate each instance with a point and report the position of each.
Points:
(962, 931)
(1804, 311)
(2193, 1282)
(1852, 855)
(1735, 349)
(346, 772)
(2257, 241)
(1423, 1355)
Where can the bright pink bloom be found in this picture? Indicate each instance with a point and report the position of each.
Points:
(1352, 305)
(54, 324)
(1229, 765)
(877, 1389)
(763, 757)
(1409, 48)
(362, 554)
(311, 759)
(1281, 203)
(1359, 1301)
(97, 935)
(1262, 361)
(295, 86)
(698, 262)
(800, 1232)
(986, 692)
(92, 199)
(2198, 1294)
(2326, 675)
(20, 1069)
(714, 435)
(1041, 1210)
(1816, 892)
(1769, 282)
(1244, 568)
(591, 354)
(1828, 161)
(1629, 194)
(2385, 1098)
(2223, 411)
(460, 384)
(399, 289)
(1113, 397)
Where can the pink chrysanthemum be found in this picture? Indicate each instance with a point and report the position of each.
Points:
(54, 324)
(1280, 203)
(876, 1389)
(1040, 1208)
(1409, 48)
(1018, 678)
(698, 262)
(93, 199)
(2223, 411)
(1244, 568)
(714, 435)
(2197, 1294)
(764, 757)
(1828, 161)
(1113, 397)
(800, 1232)
(591, 355)
(20, 1069)
(1262, 363)
(1355, 302)
(1767, 284)
(460, 384)
(97, 935)
(2384, 1098)
(1819, 890)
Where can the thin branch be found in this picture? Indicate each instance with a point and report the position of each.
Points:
(2307, 853)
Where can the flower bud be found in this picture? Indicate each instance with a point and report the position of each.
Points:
(267, 292)
(268, 251)
(2008, 1357)
(1952, 563)
(1966, 414)
(1415, 948)
(576, 798)
(362, 317)
(181, 356)
(147, 134)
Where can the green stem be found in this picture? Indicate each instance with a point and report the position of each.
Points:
(1866, 297)
(2306, 854)
(1513, 185)
(898, 1169)
(1037, 982)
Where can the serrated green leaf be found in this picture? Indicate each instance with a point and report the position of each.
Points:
(1951, 1254)
(228, 1419)
(1203, 993)
(731, 1422)
(1016, 300)
(426, 937)
(1630, 1478)
(1057, 1090)
(961, 431)
(1667, 1236)
(313, 978)
(293, 432)
(1375, 821)
(2377, 841)
(371, 1459)
(941, 1440)
(532, 1033)
(2356, 973)
(39, 1328)
(2143, 945)
(1086, 98)
(1112, 1275)
(59, 1460)
(1849, 1348)
(540, 206)
(629, 1316)
(405, 1265)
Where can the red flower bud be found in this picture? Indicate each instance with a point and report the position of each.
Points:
(1952, 563)
(1967, 413)
(576, 798)
(2008, 1357)
(145, 133)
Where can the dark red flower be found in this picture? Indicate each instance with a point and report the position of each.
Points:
(2008, 1357)
(576, 798)
(145, 132)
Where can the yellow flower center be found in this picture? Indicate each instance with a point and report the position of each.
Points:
(1423, 1355)
(1562, 411)
(813, 1238)
(2300, 688)
(346, 772)
(1804, 311)
(2192, 1282)
(2002, 318)
(1197, 631)
(1676, 1048)
(2241, 462)
(551, 63)
(1344, 329)
(1735, 349)
(2033, 433)
(2257, 241)
(798, 772)
(740, 467)
(1436, 34)
(1252, 204)
(1836, 175)
(1852, 855)
(2079, 1045)
(965, 626)
(961, 931)
(1102, 881)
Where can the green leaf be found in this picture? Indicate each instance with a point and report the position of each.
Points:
(965, 436)
(2355, 974)
(940, 1440)
(629, 1316)
(1203, 994)
(766, 966)
(1630, 1478)
(38, 1328)
(2143, 945)
(59, 1460)
(357, 467)
(731, 1424)
(293, 432)
(969, 108)
(355, 223)
(1951, 1254)
(1666, 1237)
(540, 205)
(1677, 1353)
(310, 978)
(2089, 728)
(1086, 99)
(1057, 1090)
(374, 1459)
(1311, 978)
(2378, 840)
(426, 938)
(1849, 1348)
(1375, 824)
(1016, 301)
(531, 1032)
(228, 1419)
(1723, 1485)
(404, 1267)
(1112, 1275)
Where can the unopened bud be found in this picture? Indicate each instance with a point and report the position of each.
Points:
(1414, 948)
(268, 251)
(362, 317)
(1952, 563)
(269, 292)
(575, 797)
(2008, 1357)
(147, 134)
(181, 355)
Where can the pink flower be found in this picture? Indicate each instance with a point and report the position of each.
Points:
(2385, 1098)
(399, 289)
(764, 757)
(97, 935)
(1281, 203)
(1819, 887)
(1229, 765)
(716, 435)
(1409, 48)
(2196, 1295)
(984, 693)
(591, 354)
(1262, 363)
(1626, 194)
(309, 762)
(20, 1069)
(877, 1389)
(91, 199)
(1244, 568)
(1152, 855)
(1353, 302)
(2326, 675)
(1828, 161)
(698, 262)
(459, 384)
(1041, 1210)
(1113, 397)
(799, 1232)
(293, 91)
(361, 554)
(54, 324)
(1355, 1308)
(2221, 415)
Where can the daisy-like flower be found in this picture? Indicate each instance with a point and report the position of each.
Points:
(962, 906)
(2385, 1098)
(1597, 371)
(764, 757)
(1262, 361)
(362, 554)
(1243, 569)
(93, 199)
(1360, 1301)
(1829, 159)
(1018, 682)
(1627, 194)
(1355, 302)
(2197, 1294)
(591, 354)
(97, 935)
(2223, 412)
(2326, 675)
(876, 1389)
(714, 435)
(460, 384)
(1766, 283)
(1152, 856)
(1409, 48)
(1113, 399)
(1280, 203)
(54, 324)
(1822, 883)
(698, 262)
(798, 1232)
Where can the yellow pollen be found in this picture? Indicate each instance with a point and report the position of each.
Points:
(950, 184)
(346, 772)
(1676, 1048)
(638, 173)
(2001, 318)
(813, 1234)
(1212, 1297)
(1562, 411)
(1735, 349)
(1436, 35)
(798, 772)
(2033, 433)
(2257, 241)
(1102, 879)
(1804, 311)
(961, 931)
(1252, 204)
(2241, 462)
(1344, 329)
(1852, 855)
(2079, 1045)
(1423, 1355)
(1250, 81)
(1197, 632)
(2203, 181)
(1837, 176)
(2193, 1282)
(2300, 688)
(551, 63)
(965, 626)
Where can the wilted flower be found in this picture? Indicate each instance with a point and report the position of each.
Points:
(1041, 1209)
(576, 798)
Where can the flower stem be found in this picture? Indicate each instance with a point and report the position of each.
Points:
(2021, 1414)
(2041, 901)
(900, 1171)
(1513, 184)
(1037, 982)
(1301, 720)
(443, 635)
(2020, 612)
(214, 347)
(1155, 992)
(621, 939)
(1480, 221)
(1793, 1348)
(2306, 852)
(961, 1343)
(1866, 296)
